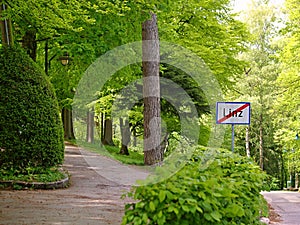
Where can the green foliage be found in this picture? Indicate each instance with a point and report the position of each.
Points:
(54, 18)
(215, 187)
(258, 85)
(135, 156)
(287, 104)
(272, 183)
(31, 132)
(209, 29)
(33, 174)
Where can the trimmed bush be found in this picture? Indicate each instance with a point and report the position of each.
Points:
(31, 133)
(216, 187)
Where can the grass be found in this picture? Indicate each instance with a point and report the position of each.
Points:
(135, 157)
(32, 174)
(45, 175)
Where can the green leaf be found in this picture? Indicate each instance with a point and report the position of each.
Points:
(160, 214)
(216, 215)
(235, 210)
(185, 208)
(152, 206)
(162, 195)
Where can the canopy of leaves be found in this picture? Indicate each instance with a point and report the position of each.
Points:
(287, 104)
(209, 29)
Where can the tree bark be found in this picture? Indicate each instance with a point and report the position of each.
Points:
(261, 150)
(6, 28)
(29, 43)
(102, 127)
(283, 174)
(151, 91)
(247, 142)
(164, 146)
(108, 133)
(134, 138)
(125, 136)
(90, 126)
(67, 120)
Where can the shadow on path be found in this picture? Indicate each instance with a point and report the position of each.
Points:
(93, 197)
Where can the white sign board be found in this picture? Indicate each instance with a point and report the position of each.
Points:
(233, 113)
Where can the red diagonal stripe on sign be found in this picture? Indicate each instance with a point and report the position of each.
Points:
(233, 112)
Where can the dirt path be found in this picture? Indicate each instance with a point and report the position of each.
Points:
(286, 204)
(92, 198)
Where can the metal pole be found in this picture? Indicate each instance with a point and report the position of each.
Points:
(46, 58)
(6, 28)
(232, 137)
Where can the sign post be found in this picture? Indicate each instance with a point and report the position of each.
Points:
(233, 113)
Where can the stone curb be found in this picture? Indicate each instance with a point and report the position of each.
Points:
(39, 185)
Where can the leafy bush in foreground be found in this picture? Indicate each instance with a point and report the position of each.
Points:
(31, 133)
(216, 187)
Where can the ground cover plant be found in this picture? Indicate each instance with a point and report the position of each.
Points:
(215, 187)
(33, 175)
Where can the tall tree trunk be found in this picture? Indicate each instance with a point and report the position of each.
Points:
(102, 127)
(134, 138)
(151, 92)
(67, 120)
(261, 149)
(164, 146)
(90, 126)
(108, 133)
(29, 43)
(125, 134)
(6, 28)
(283, 174)
(247, 142)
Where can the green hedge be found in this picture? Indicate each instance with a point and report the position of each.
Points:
(216, 187)
(31, 133)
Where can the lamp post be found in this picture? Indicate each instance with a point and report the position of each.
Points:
(65, 59)
(6, 28)
(67, 116)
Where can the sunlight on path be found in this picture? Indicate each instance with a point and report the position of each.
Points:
(113, 170)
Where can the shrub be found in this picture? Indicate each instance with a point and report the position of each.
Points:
(31, 133)
(215, 187)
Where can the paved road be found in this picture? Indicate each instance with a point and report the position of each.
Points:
(286, 204)
(93, 198)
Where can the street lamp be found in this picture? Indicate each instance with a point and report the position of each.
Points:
(65, 59)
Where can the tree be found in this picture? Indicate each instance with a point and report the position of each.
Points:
(209, 29)
(90, 126)
(125, 136)
(48, 29)
(258, 85)
(151, 90)
(287, 104)
(217, 20)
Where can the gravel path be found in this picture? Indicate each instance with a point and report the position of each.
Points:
(93, 197)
